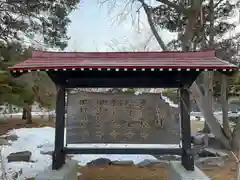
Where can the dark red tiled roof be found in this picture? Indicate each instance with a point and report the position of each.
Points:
(41, 60)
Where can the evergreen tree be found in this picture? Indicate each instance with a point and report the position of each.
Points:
(27, 89)
(35, 19)
(23, 22)
(175, 21)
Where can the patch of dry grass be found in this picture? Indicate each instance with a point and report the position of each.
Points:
(114, 172)
(197, 125)
(6, 125)
(155, 172)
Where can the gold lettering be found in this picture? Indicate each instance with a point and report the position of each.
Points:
(137, 107)
(129, 134)
(114, 134)
(86, 133)
(160, 119)
(82, 125)
(130, 112)
(144, 123)
(113, 102)
(128, 125)
(98, 117)
(83, 109)
(102, 102)
(115, 124)
(99, 134)
(114, 111)
(100, 111)
(142, 101)
(144, 135)
(120, 102)
(160, 122)
(83, 101)
(126, 102)
(85, 119)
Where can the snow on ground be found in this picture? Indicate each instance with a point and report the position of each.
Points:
(29, 139)
(198, 115)
(42, 139)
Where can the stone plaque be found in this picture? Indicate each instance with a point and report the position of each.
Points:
(97, 117)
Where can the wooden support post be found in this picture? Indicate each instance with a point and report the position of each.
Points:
(187, 156)
(59, 155)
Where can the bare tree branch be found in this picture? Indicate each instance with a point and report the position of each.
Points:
(173, 5)
(152, 26)
(219, 2)
(147, 42)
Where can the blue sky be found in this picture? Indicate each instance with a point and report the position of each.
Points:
(92, 28)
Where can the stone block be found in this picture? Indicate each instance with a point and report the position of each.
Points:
(178, 172)
(99, 162)
(123, 163)
(12, 137)
(210, 161)
(19, 156)
(69, 171)
(4, 142)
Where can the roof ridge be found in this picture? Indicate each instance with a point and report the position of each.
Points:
(145, 54)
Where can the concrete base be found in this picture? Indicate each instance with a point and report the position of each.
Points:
(178, 172)
(68, 172)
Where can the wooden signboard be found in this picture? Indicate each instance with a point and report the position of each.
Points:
(96, 117)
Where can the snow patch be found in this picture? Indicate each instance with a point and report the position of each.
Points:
(38, 140)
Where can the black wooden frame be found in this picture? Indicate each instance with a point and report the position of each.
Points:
(138, 79)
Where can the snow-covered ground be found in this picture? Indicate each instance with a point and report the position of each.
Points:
(36, 140)
(217, 114)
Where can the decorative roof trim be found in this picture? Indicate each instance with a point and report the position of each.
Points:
(229, 69)
(123, 61)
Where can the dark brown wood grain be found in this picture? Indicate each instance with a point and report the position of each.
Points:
(121, 118)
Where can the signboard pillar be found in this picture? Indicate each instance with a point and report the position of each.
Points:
(58, 154)
(187, 157)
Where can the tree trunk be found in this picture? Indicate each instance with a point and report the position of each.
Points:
(238, 170)
(27, 114)
(235, 138)
(238, 163)
(224, 102)
(24, 114)
(208, 94)
(208, 115)
(235, 143)
(10, 110)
